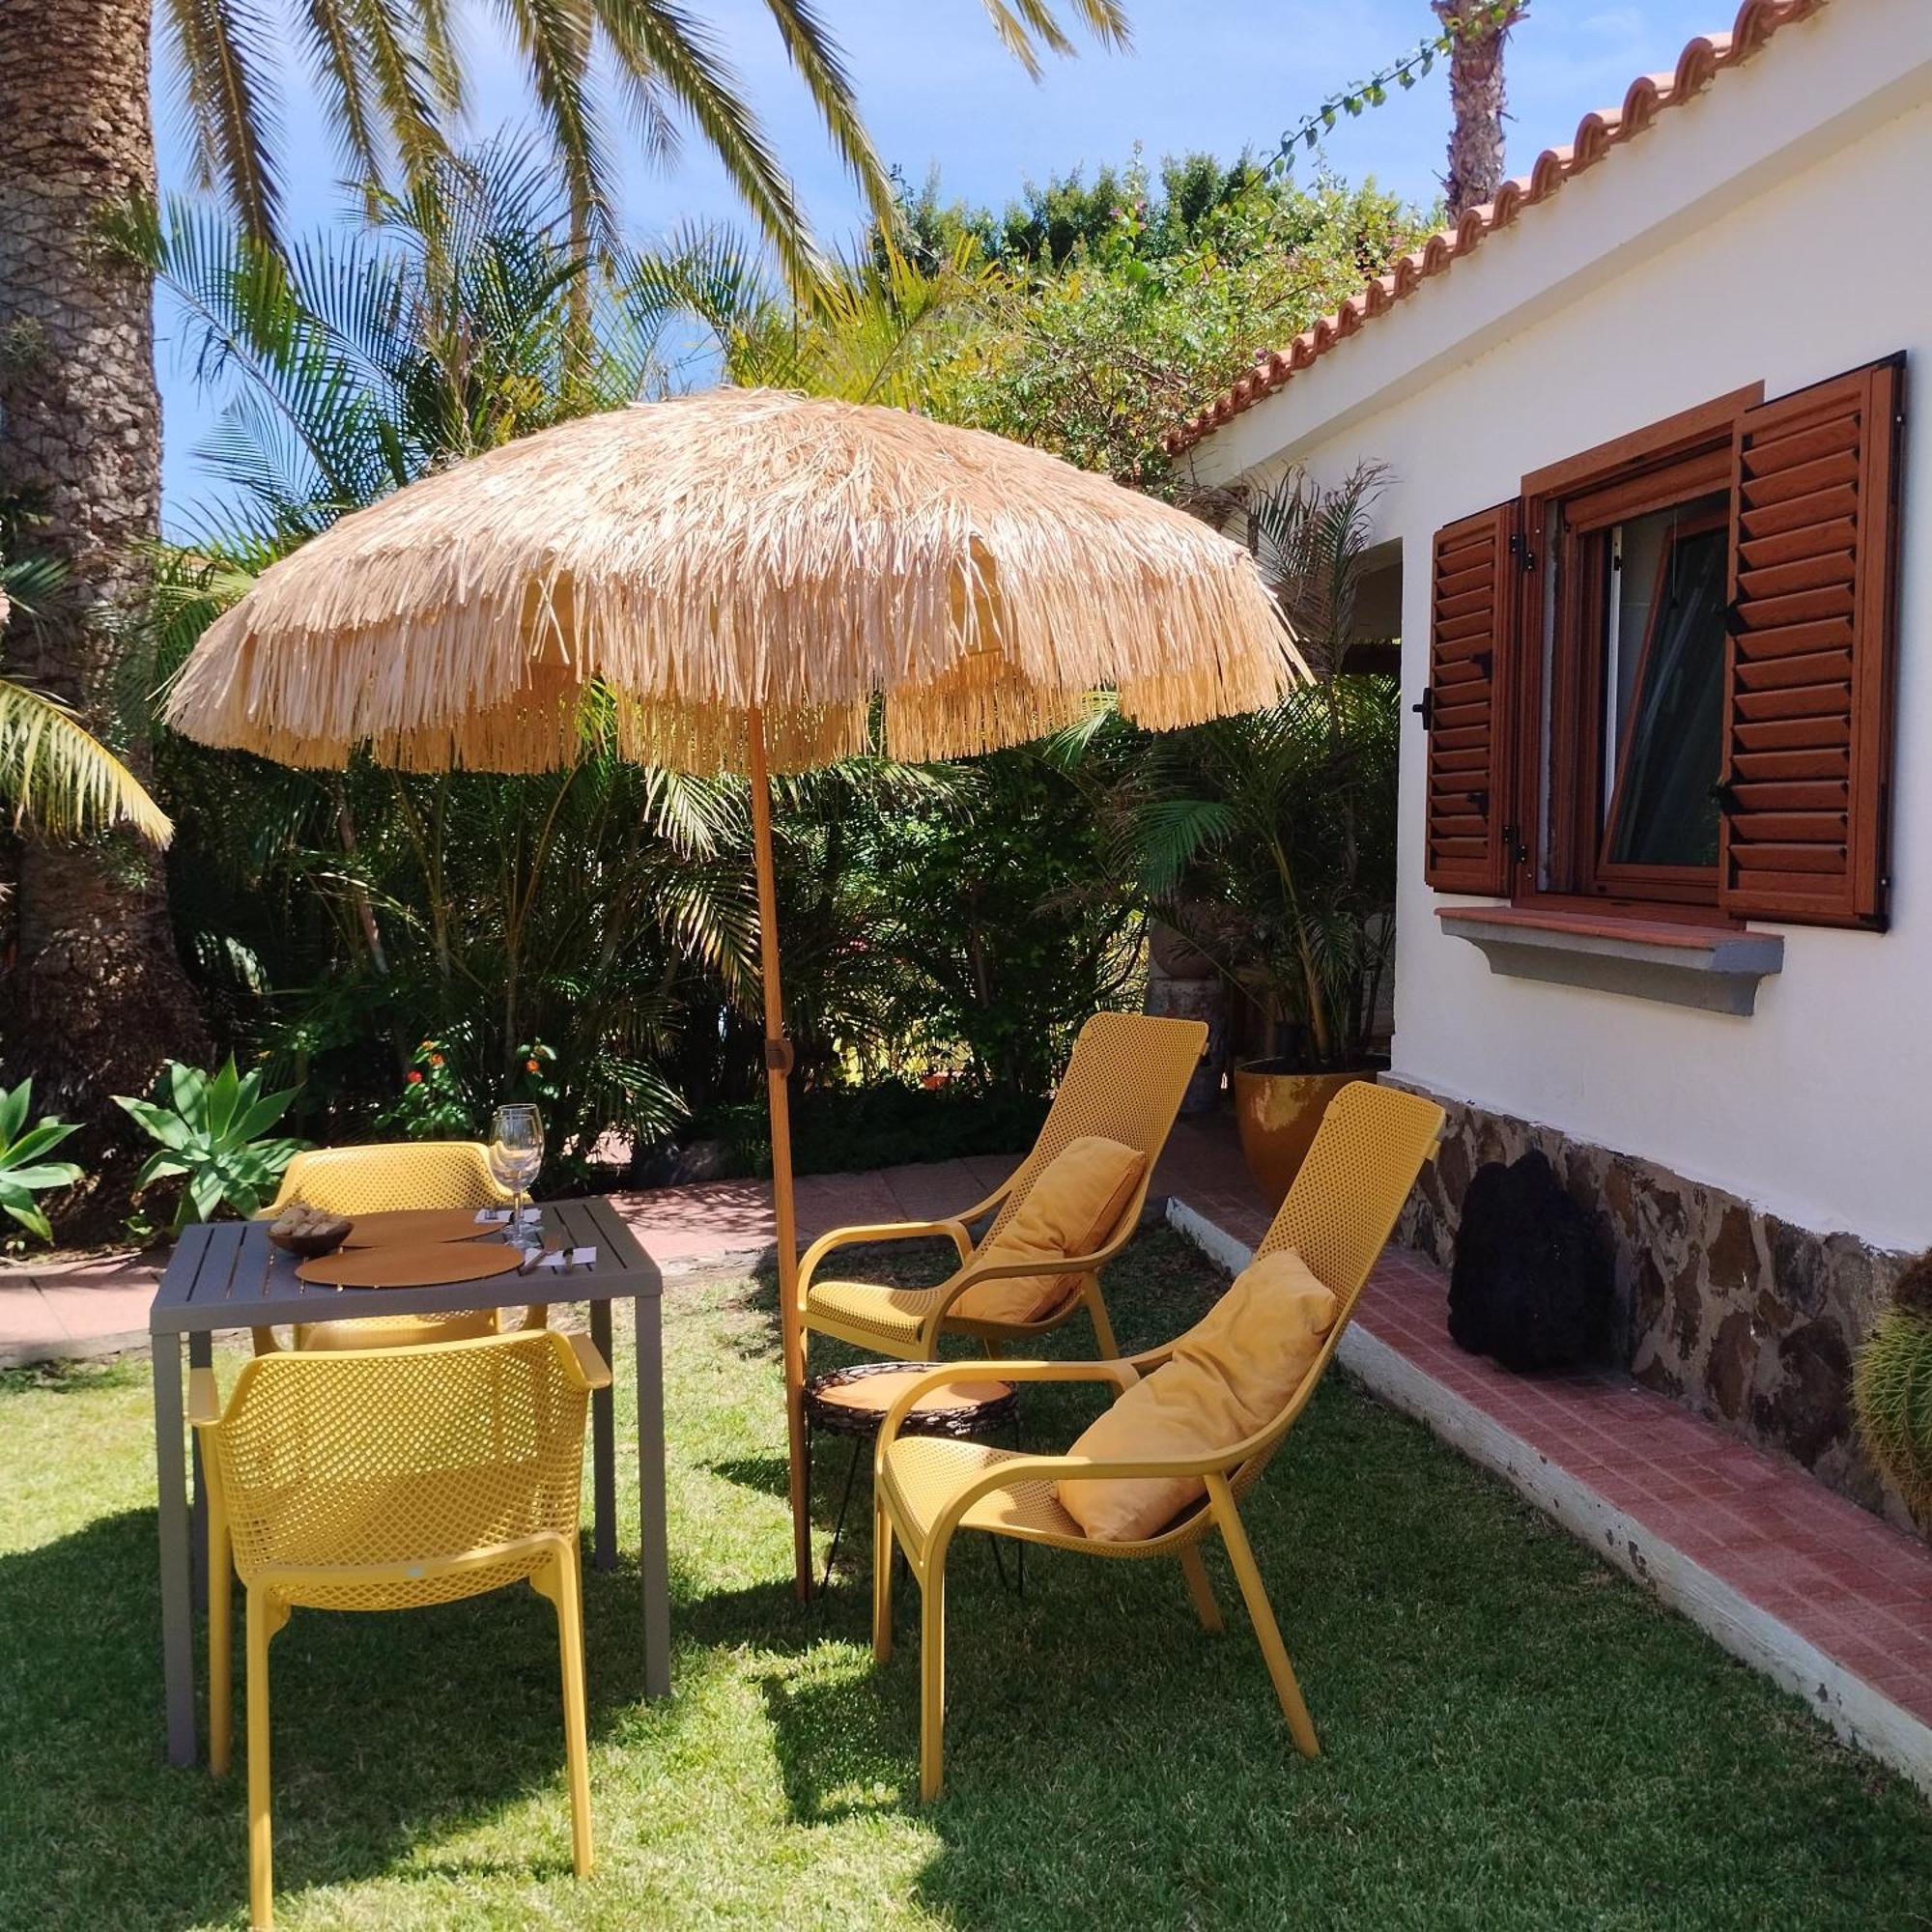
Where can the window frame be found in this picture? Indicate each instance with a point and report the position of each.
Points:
(1559, 739)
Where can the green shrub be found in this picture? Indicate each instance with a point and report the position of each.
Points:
(1892, 1389)
(854, 1129)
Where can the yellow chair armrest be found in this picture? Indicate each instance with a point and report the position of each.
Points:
(1060, 1469)
(204, 1399)
(590, 1368)
(954, 1229)
(1121, 1374)
(973, 1274)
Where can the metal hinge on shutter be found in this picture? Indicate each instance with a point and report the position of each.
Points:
(1426, 708)
(1519, 549)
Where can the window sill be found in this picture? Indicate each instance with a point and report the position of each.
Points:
(1714, 968)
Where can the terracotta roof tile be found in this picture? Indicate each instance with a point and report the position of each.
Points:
(1597, 134)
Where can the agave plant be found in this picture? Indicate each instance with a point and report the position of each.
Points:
(24, 1169)
(212, 1133)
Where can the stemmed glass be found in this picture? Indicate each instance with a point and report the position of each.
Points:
(516, 1153)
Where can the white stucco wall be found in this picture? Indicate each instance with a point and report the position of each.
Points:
(1775, 228)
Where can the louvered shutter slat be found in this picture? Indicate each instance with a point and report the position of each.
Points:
(1811, 663)
(1471, 614)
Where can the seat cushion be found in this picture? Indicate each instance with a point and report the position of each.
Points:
(1228, 1375)
(1071, 1209)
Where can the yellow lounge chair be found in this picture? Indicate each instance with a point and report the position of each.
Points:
(1124, 1082)
(379, 1178)
(385, 1480)
(1338, 1216)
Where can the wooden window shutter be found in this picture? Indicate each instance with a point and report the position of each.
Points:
(1465, 710)
(1810, 669)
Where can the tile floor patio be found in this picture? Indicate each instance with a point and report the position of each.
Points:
(1823, 1595)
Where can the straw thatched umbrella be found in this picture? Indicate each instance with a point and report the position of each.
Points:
(738, 579)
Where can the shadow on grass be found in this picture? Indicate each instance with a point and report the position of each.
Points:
(391, 1732)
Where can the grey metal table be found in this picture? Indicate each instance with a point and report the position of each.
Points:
(227, 1275)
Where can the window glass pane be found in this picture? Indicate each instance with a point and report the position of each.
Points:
(1665, 686)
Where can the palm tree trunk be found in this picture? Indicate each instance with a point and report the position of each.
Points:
(1477, 100)
(95, 997)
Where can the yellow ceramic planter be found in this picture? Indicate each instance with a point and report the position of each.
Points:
(1277, 1115)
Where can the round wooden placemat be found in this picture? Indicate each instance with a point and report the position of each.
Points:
(412, 1227)
(426, 1266)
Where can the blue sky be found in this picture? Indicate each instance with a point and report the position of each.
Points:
(937, 89)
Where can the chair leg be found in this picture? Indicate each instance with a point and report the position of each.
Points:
(932, 1676)
(800, 1478)
(562, 1583)
(1103, 1329)
(265, 1617)
(221, 1641)
(1260, 1614)
(1201, 1590)
(882, 1586)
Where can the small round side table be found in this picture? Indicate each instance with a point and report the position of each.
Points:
(853, 1402)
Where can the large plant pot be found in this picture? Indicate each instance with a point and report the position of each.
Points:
(1277, 1113)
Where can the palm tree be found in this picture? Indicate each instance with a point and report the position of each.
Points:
(1477, 31)
(98, 999)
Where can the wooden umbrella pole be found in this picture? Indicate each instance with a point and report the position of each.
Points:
(778, 1068)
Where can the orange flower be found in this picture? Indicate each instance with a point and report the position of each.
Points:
(435, 1059)
(531, 1066)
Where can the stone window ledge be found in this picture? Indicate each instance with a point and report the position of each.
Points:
(1714, 968)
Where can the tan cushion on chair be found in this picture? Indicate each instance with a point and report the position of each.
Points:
(1228, 1375)
(1071, 1209)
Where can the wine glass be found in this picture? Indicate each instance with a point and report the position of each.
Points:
(516, 1153)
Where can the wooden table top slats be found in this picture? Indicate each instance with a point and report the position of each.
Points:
(228, 1274)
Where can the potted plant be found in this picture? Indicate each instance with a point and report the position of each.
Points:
(1268, 841)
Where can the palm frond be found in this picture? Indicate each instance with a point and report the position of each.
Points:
(61, 777)
(660, 40)
(819, 64)
(224, 51)
(1027, 27)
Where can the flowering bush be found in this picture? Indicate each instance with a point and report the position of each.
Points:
(432, 1105)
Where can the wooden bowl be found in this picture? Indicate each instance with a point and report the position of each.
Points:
(322, 1239)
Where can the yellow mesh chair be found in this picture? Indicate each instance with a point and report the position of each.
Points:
(391, 1175)
(383, 1480)
(1124, 1081)
(1338, 1216)
(377, 1180)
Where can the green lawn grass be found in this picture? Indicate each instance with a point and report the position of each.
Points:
(1514, 1735)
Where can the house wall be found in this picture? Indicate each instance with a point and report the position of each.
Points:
(1753, 1176)
(1770, 229)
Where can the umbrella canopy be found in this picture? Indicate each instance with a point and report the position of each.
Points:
(696, 558)
(740, 580)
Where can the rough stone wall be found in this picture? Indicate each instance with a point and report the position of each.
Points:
(1742, 1316)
